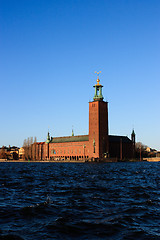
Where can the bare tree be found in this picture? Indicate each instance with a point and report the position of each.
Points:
(30, 148)
(3, 154)
(35, 146)
(28, 156)
(25, 148)
(140, 149)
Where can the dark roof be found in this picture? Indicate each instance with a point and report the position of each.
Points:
(80, 138)
(14, 147)
(114, 138)
(4, 147)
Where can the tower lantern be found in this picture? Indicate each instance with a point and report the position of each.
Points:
(98, 89)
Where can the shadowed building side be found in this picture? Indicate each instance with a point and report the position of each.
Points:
(120, 147)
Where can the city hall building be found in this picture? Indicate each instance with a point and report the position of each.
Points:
(98, 145)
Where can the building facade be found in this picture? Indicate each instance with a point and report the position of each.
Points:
(97, 145)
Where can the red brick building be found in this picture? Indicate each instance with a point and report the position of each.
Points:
(97, 145)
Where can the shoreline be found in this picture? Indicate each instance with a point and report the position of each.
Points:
(79, 161)
(43, 161)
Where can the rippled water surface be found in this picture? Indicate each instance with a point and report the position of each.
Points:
(80, 201)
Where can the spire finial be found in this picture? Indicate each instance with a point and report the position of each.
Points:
(98, 77)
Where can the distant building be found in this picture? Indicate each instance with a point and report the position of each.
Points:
(158, 154)
(21, 153)
(148, 149)
(97, 145)
(10, 152)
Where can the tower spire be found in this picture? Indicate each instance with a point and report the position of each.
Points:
(72, 131)
(98, 89)
(133, 138)
(48, 137)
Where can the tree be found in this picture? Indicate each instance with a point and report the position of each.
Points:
(30, 148)
(15, 156)
(34, 148)
(140, 149)
(3, 154)
(25, 148)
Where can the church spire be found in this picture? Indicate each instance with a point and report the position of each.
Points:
(133, 136)
(48, 138)
(72, 132)
(98, 89)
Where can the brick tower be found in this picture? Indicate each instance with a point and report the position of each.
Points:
(98, 124)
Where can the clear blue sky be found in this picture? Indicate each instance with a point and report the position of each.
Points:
(49, 51)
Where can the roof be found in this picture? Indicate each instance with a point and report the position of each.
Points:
(114, 138)
(80, 138)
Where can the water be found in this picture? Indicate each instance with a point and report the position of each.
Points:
(80, 201)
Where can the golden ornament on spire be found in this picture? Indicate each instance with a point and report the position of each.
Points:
(98, 77)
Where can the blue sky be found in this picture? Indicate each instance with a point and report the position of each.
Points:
(49, 51)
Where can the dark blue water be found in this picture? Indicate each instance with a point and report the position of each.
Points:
(80, 201)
